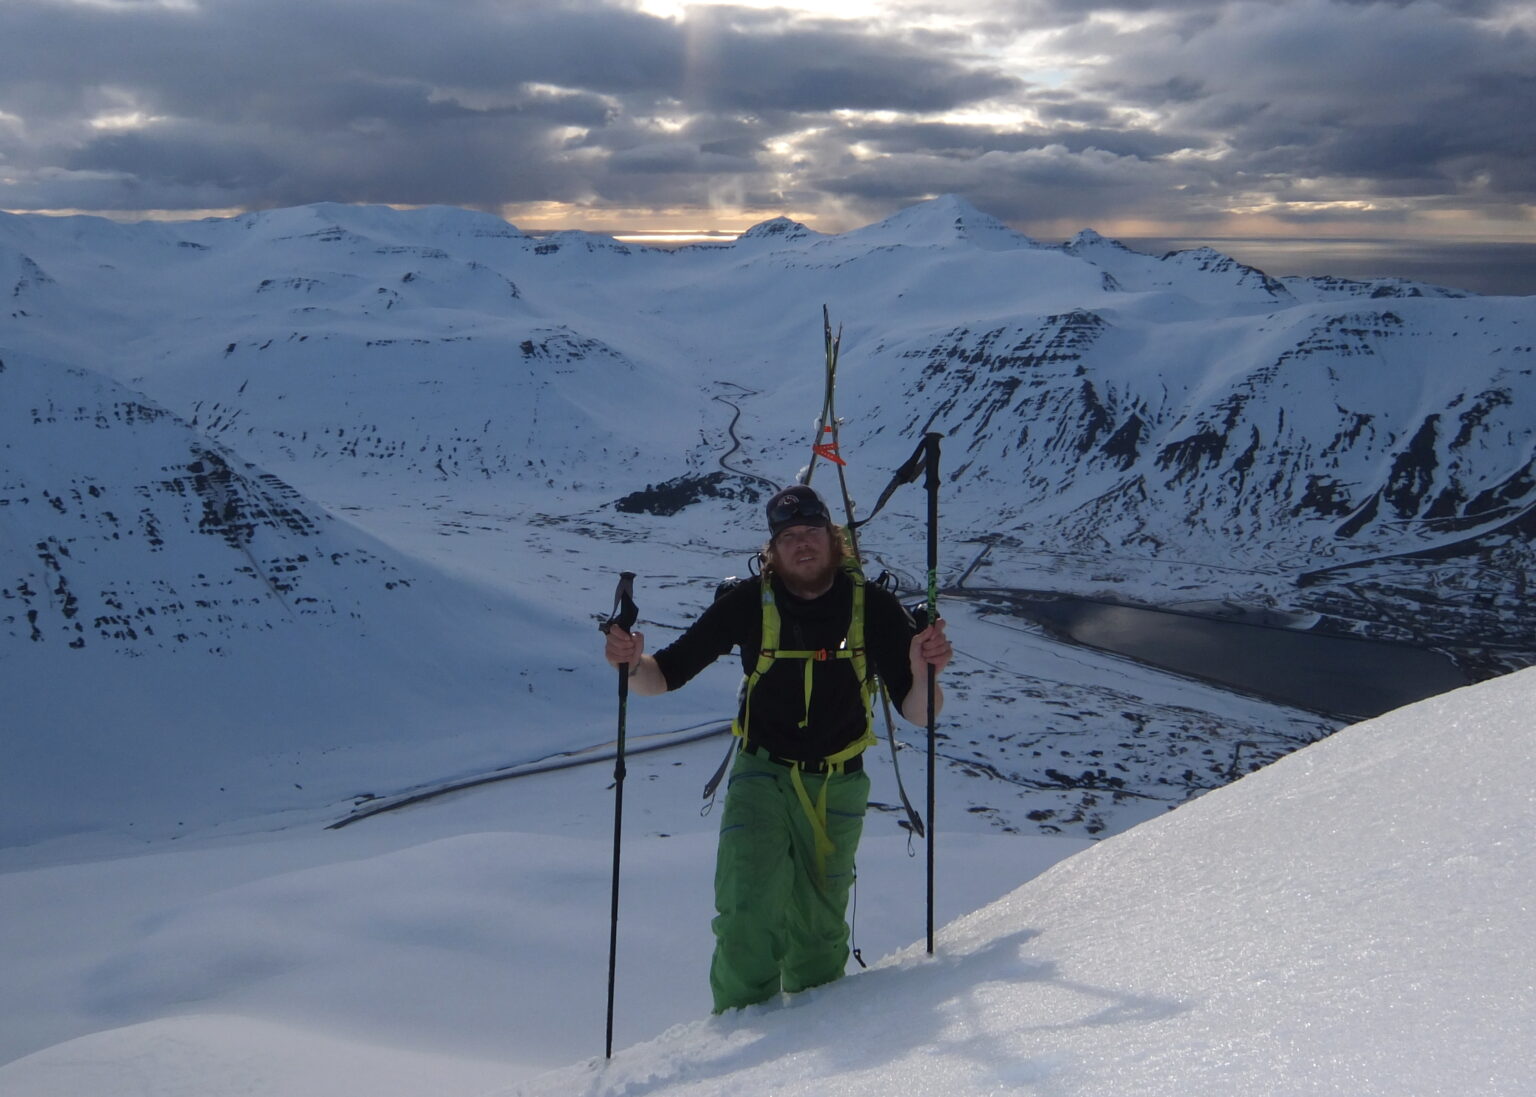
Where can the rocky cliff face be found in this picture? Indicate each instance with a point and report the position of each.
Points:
(129, 529)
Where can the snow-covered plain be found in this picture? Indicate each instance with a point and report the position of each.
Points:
(314, 505)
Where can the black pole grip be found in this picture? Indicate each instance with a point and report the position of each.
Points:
(625, 612)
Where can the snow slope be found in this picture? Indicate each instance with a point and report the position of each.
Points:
(1350, 920)
(1354, 919)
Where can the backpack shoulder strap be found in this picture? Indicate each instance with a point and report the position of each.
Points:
(852, 649)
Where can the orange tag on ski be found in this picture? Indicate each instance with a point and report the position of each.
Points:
(829, 451)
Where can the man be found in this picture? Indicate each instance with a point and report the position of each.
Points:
(795, 803)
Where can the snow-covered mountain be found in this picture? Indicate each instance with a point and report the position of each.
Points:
(177, 616)
(286, 454)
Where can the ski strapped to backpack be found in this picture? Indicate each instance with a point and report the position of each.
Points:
(827, 427)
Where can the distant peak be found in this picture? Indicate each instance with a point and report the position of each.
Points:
(1088, 238)
(777, 228)
(962, 212)
(949, 202)
(1208, 260)
(336, 218)
(949, 219)
(455, 219)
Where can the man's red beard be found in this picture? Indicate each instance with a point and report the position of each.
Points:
(820, 576)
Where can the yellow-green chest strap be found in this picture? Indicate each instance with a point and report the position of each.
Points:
(852, 648)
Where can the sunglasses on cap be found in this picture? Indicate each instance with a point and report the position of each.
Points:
(807, 507)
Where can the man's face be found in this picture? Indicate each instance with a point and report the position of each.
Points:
(804, 555)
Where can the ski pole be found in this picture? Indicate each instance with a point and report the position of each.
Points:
(931, 444)
(624, 614)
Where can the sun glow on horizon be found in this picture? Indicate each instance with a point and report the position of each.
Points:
(1296, 222)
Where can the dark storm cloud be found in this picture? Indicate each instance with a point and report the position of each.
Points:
(1308, 110)
(1349, 90)
(244, 58)
(742, 60)
(1031, 185)
(262, 101)
(1172, 111)
(958, 139)
(1062, 12)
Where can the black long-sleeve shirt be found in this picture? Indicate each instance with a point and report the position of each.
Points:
(778, 700)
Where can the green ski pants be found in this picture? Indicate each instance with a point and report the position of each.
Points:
(780, 924)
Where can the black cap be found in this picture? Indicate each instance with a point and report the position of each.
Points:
(796, 505)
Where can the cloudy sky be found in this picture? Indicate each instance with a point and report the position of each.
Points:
(1380, 120)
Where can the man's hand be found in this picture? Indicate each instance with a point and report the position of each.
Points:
(624, 647)
(628, 648)
(930, 648)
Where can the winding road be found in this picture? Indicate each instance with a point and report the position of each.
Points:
(736, 442)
